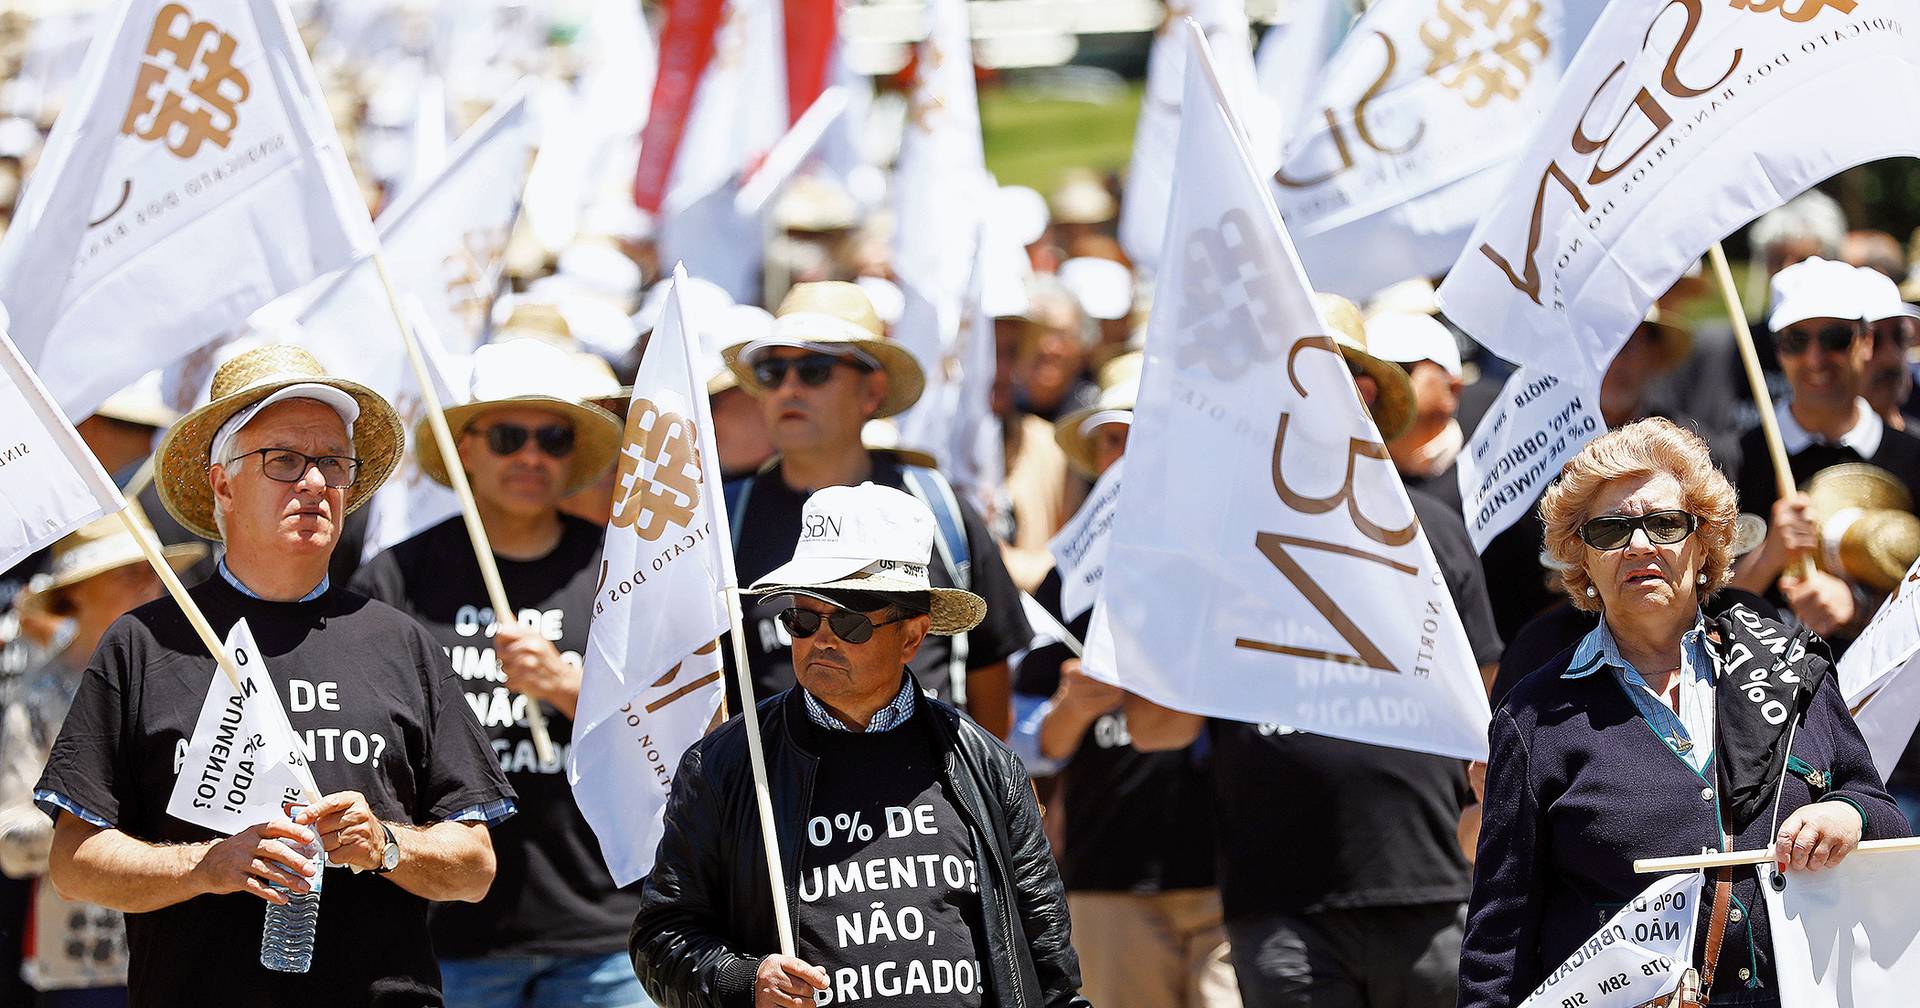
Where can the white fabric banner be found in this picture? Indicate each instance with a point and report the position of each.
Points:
(1409, 137)
(50, 483)
(1538, 423)
(643, 700)
(1291, 58)
(154, 223)
(1080, 550)
(1637, 957)
(1677, 123)
(244, 762)
(1265, 563)
(1877, 677)
(582, 177)
(1848, 937)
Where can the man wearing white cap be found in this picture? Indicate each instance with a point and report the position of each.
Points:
(1896, 327)
(1422, 346)
(869, 779)
(1824, 343)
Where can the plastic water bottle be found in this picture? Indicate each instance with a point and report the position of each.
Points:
(286, 941)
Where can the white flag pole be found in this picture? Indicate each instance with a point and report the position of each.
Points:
(457, 477)
(1053, 626)
(1734, 859)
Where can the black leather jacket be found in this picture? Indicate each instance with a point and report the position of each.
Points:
(706, 917)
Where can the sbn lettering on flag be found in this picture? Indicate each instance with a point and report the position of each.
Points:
(1638, 957)
(652, 676)
(243, 764)
(1278, 575)
(195, 178)
(50, 483)
(1675, 124)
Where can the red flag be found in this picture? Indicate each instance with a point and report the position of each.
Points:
(686, 47)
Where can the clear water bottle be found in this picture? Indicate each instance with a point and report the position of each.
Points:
(286, 941)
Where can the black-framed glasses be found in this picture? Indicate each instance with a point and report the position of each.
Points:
(848, 625)
(812, 369)
(1611, 532)
(1835, 337)
(285, 465)
(504, 439)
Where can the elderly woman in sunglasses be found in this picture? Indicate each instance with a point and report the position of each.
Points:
(1662, 732)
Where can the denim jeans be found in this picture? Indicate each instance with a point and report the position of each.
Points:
(596, 981)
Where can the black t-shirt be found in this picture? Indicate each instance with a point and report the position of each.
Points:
(380, 713)
(889, 894)
(1133, 821)
(1453, 551)
(1309, 823)
(767, 535)
(552, 894)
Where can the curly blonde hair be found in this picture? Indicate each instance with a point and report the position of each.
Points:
(1642, 448)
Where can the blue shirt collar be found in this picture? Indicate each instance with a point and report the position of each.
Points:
(1598, 650)
(886, 718)
(318, 590)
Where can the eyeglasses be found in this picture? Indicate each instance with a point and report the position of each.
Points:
(285, 465)
(812, 369)
(848, 625)
(1835, 338)
(504, 439)
(1611, 532)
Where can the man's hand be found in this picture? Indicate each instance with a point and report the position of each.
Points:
(1082, 694)
(350, 832)
(245, 861)
(1823, 602)
(1817, 836)
(1794, 529)
(533, 666)
(786, 982)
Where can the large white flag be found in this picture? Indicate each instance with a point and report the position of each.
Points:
(1291, 58)
(50, 483)
(244, 761)
(1676, 123)
(195, 177)
(1537, 424)
(1266, 564)
(1848, 937)
(652, 679)
(1877, 677)
(1408, 139)
(1638, 957)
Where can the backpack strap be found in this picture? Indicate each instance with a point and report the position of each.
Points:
(737, 492)
(950, 543)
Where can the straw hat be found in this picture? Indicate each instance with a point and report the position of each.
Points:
(1874, 548)
(99, 546)
(536, 374)
(1856, 485)
(1676, 336)
(1393, 407)
(833, 316)
(881, 435)
(243, 382)
(1119, 389)
(536, 320)
(875, 539)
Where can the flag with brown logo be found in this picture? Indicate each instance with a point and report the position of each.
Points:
(1677, 123)
(50, 483)
(195, 177)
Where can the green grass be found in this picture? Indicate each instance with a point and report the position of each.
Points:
(1032, 141)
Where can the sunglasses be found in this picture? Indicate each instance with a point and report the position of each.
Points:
(555, 439)
(812, 369)
(1835, 338)
(848, 625)
(1611, 532)
(284, 465)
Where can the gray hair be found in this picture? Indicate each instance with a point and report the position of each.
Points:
(1812, 214)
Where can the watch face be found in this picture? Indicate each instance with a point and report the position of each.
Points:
(391, 859)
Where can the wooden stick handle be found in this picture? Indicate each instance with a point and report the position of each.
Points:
(1734, 859)
(776, 875)
(457, 477)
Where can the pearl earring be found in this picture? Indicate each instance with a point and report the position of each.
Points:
(1701, 580)
(1590, 592)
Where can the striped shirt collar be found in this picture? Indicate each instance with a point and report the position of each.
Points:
(886, 718)
(1599, 650)
(326, 581)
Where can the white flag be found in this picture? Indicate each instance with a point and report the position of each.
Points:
(1291, 58)
(1676, 124)
(1877, 677)
(1266, 565)
(1637, 957)
(1080, 550)
(652, 679)
(195, 177)
(1410, 135)
(1848, 937)
(1150, 175)
(244, 762)
(588, 151)
(50, 483)
(1537, 424)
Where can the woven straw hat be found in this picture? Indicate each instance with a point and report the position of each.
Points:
(835, 317)
(1856, 485)
(1873, 548)
(1393, 407)
(243, 381)
(536, 374)
(1119, 389)
(102, 545)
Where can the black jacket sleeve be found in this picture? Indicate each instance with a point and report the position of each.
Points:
(1039, 897)
(1499, 954)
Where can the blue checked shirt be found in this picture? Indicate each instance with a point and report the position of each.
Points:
(1688, 733)
(886, 718)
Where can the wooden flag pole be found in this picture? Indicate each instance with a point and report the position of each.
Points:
(457, 478)
(756, 756)
(1750, 359)
(1734, 859)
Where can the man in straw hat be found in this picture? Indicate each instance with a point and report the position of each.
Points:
(271, 466)
(526, 440)
(824, 370)
(1368, 911)
(868, 778)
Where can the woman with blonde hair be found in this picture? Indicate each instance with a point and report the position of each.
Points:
(1661, 732)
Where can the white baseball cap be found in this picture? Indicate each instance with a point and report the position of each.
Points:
(1103, 287)
(1405, 337)
(1880, 297)
(1815, 288)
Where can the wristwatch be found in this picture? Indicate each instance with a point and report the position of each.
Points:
(389, 858)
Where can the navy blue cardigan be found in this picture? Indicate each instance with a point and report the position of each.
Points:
(1578, 786)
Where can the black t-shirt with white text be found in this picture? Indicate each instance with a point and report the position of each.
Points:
(378, 710)
(552, 893)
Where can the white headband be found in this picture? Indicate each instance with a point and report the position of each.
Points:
(220, 449)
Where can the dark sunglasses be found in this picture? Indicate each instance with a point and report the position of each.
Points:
(1611, 532)
(813, 369)
(284, 465)
(555, 439)
(1835, 338)
(848, 625)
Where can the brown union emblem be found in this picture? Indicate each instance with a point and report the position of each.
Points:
(658, 484)
(187, 91)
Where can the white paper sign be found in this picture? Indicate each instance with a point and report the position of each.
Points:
(1638, 956)
(1877, 677)
(1080, 550)
(1538, 423)
(1848, 937)
(243, 763)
